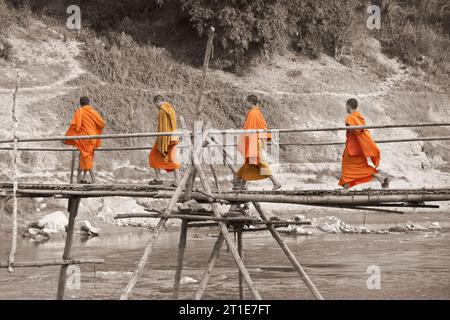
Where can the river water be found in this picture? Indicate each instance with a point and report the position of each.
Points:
(412, 265)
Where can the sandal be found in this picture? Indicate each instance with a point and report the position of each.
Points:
(276, 187)
(385, 184)
(155, 182)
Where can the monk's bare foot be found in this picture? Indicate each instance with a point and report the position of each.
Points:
(276, 187)
(386, 182)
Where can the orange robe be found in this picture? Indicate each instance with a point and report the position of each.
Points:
(85, 122)
(252, 146)
(359, 146)
(163, 154)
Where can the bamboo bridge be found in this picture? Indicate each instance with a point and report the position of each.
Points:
(379, 200)
(234, 220)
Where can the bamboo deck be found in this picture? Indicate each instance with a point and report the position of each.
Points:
(367, 197)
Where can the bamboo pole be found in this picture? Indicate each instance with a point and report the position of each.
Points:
(382, 141)
(364, 198)
(301, 144)
(340, 128)
(49, 263)
(361, 208)
(15, 179)
(209, 267)
(181, 250)
(100, 136)
(226, 235)
(151, 242)
(191, 181)
(208, 53)
(72, 166)
(282, 244)
(289, 254)
(312, 144)
(216, 179)
(72, 149)
(276, 224)
(73, 212)
(332, 200)
(241, 254)
(185, 216)
(228, 131)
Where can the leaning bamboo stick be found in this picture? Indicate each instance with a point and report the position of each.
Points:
(191, 181)
(289, 254)
(208, 54)
(151, 242)
(282, 244)
(49, 263)
(241, 254)
(216, 179)
(226, 235)
(15, 179)
(209, 267)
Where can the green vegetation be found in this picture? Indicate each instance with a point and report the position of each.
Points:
(6, 20)
(415, 31)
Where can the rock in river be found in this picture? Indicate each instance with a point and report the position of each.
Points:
(54, 222)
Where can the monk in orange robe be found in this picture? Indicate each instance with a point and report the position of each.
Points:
(359, 146)
(85, 122)
(163, 153)
(252, 147)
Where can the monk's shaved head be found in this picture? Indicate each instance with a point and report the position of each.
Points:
(353, 103)
(158, 98)
(84, 101)
(253, 100)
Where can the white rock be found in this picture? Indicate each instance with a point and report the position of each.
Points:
(364, 230)
(301, 231)
(434, 226)
(39, 238)
(34, 231)
(54, 222)
(299, 217)
(186, 279)
(87, 227)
